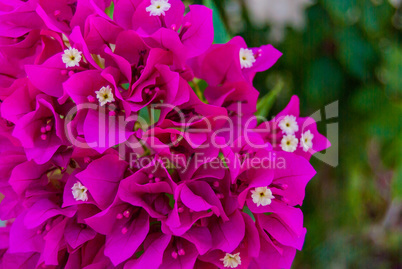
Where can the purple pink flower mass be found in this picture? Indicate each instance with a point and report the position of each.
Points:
(114, 156)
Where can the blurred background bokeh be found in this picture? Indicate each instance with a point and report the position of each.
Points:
(348, 51)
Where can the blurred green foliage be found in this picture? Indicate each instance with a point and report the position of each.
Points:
(351, 51)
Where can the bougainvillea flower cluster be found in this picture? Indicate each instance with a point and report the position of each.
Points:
(114, 153)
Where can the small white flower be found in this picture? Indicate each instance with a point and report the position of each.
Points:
(247, 58)
(262, 196)
(289, 125)
(79, 192)
(105, 95)
(71, 57)
(158, 7)
(289, 143)
(231, 260)
(306, 141)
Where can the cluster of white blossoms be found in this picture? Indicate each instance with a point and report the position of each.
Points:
(395, 3)
(262, 196)
(279, 14)
(158, 7)
(105, 95)
(247, 58)
(79, 192)
(72, 57)
(289, 142)
(231, 260)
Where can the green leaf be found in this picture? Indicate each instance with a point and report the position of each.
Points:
(171, 200)
(221, 35)
(156, 113)
(248, 212)
(139, 253)
(149, 115)
(143, 113)
(265, 103)
(199, 86)
(110, 10)
(125, 86)
(223, 159)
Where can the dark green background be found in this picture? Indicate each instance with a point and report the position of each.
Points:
(353, 211)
